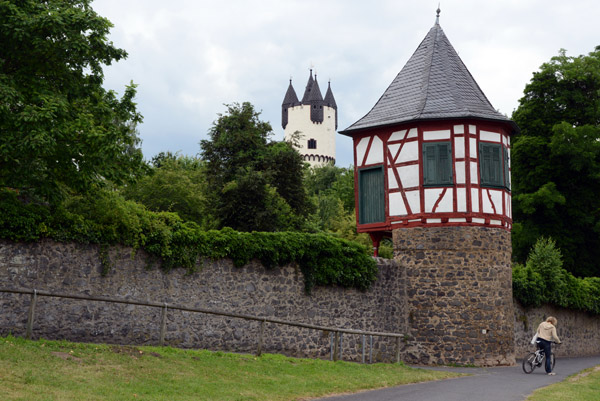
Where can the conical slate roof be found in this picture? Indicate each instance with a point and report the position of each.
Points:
(290, 99)
(434, 84)
(307, 91)
(315, 92)
(329, 99)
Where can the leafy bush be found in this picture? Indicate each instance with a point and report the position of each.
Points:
(544, 280)
(108, 219)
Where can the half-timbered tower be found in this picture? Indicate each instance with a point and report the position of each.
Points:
(432, 169)
(313, 120)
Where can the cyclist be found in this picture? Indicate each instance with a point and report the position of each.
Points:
(546, 334)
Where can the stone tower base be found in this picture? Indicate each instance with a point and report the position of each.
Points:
(459, 294)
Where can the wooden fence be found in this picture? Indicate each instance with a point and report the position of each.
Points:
(336, 333)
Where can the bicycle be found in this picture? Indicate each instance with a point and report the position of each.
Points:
(536, 359)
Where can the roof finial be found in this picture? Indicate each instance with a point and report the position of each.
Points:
(437, 18)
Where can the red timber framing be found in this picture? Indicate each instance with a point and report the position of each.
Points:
(408, 202)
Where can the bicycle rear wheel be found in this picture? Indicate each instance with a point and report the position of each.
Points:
(529, 363)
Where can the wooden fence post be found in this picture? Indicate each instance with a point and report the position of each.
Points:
(336, 345)
(163, 325)
(260, 337)
(31, 315)
(363, 348)
(370, 349)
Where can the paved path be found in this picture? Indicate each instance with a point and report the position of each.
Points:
(489, 384)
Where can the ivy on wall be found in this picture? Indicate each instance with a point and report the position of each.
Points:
(108, 219)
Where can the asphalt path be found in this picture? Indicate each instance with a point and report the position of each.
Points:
(489, 384)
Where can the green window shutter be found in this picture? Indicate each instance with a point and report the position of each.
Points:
(437, 163)
(484, 164)
(491, 166)
(429, 164)
(506, 171)
(496, 172)
(371, 196)
(445, 163)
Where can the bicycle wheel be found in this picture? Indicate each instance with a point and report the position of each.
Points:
(529, 363)
(552, 361)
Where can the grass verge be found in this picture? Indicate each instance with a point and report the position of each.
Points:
(59, 370)
(584, 386)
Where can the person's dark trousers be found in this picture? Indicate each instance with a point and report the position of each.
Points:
(547, 347)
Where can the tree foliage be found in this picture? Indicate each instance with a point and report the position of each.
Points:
(543, 280)
(174, 184)
(556, 161)
(253, 184)
(61, 131)
(107, 218)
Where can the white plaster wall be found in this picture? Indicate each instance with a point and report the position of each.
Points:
(431, 197)
(409, 175)
(375, 155)
(397, 136)
(409, 153)
(414, 200)
(361, 149)
(475, 200)
(397, 207)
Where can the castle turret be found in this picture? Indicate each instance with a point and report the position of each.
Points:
(432, 170)
(329, 101)
(314, 119)
(290, 100)
(315, 101)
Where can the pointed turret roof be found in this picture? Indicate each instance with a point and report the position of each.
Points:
(290, 98)
(329, 99)
(308, 89)
(315, 92)
(434, 84)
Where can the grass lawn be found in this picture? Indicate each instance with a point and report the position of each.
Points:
(584, 386)
(59, 370)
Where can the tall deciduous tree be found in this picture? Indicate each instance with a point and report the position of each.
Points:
(174, 184)
(61, 130)
(253, 184)
(556, 161)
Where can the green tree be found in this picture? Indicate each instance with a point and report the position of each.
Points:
(253, 184)
(331, 190)
(337, 181)
(556, 162)
(61, 131)
(174, 184)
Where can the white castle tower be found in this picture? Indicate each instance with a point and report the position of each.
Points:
(314, 119)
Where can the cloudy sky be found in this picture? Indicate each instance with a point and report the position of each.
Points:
(190, 57)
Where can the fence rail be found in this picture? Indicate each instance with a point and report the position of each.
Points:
(336, 335)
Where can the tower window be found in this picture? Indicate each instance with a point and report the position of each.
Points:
(437, 164)
(312, 143)
(493, 165)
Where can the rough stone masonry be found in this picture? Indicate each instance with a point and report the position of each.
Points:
(459, 294)
(447, 304)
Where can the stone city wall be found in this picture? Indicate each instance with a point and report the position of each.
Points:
(250, 290)
(447, 308)
(578, 331)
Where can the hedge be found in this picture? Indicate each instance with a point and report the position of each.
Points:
(107, 219)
